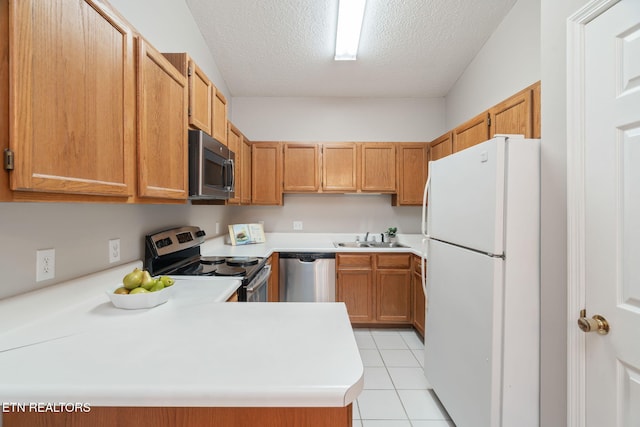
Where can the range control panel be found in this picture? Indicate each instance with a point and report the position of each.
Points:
(175, 239)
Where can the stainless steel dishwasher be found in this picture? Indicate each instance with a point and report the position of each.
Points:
(307, 277)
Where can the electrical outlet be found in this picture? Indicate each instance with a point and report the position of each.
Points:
(297, 225)
(114, 250)
(217, 228)
(45, 264)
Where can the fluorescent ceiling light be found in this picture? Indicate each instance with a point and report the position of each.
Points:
(350, 14)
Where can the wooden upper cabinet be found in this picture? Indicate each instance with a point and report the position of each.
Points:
(234, 142)
(513, 116)
(301, 167)
(200, 90)
(535, 105)
(441, 146)
(245, 166)
(266, 173)
(340, 167)
(72, 99)
(412, 173)
(471, 133)
(219, 118)
(378, 167)
(162, 127)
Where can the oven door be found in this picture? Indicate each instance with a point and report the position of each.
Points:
(258, 288)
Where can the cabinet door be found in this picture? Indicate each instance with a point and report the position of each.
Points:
(419, 303)
(378, 167)
(354, 288)
(393, 299)
(273, 293)
(266, 173)
(301, 167)
(200, 98)
(162, 127)
(72, 98)
(200, 90)
(471, 133)
(245, 180)
(513, 116)
(340, 167)
(219, 119)
(234, 142)
(412, 173)
(441, 147)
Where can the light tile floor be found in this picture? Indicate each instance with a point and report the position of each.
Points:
(396, 392)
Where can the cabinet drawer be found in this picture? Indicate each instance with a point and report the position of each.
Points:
(353, 261)
(402, 261)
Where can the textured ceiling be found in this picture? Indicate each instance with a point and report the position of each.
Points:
(408, 48)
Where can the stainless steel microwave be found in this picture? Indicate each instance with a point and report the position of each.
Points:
(211, 168)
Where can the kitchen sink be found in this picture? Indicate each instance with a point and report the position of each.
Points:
(390, 245)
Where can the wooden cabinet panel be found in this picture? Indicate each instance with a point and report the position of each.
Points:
(219, 118)
(301, 167)
(393, 296)
(513, 116)
(72, 99)
(266, 173)
(419, 304)
(376, 288)
(162, 127)
(419, 300)
(378, 167)
(353, 261)
(234, 142)
(441, 146)
(354, 288)
(396, 261)
(412, 164)
(471, 133)
(200, 90)
(339, 167)
(273, 293)
(535, 105)
(245, 181)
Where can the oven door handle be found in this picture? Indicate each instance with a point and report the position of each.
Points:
(259, 279)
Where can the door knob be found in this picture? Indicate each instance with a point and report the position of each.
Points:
(597, 323)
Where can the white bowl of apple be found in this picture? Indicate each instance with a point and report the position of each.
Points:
(140, 290)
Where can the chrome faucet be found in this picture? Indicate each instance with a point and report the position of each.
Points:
(366, 237)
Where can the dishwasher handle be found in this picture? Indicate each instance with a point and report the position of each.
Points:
(307, 257)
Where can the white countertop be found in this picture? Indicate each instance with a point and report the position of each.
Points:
(190, 351)
(303, 242)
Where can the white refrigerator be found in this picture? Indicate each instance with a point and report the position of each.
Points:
(482, 239)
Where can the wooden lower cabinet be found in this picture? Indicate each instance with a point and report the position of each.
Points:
(186, 417)
(419, 300)
(376, 288)
(273, 293)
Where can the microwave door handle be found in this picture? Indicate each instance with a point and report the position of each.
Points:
(231, 175)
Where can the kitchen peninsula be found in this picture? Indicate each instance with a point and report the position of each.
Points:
(191, 361)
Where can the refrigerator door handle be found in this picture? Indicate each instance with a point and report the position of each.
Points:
(424, 208)
(423, 270)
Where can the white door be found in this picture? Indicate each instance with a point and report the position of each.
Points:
(609, 258)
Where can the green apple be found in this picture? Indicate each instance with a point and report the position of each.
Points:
(158, 286)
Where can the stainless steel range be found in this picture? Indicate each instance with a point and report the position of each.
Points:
(176, 252)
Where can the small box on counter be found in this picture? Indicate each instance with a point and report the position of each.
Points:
(244, 234)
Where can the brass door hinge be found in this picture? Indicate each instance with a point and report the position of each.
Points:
(489, 121)
(8, 159)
